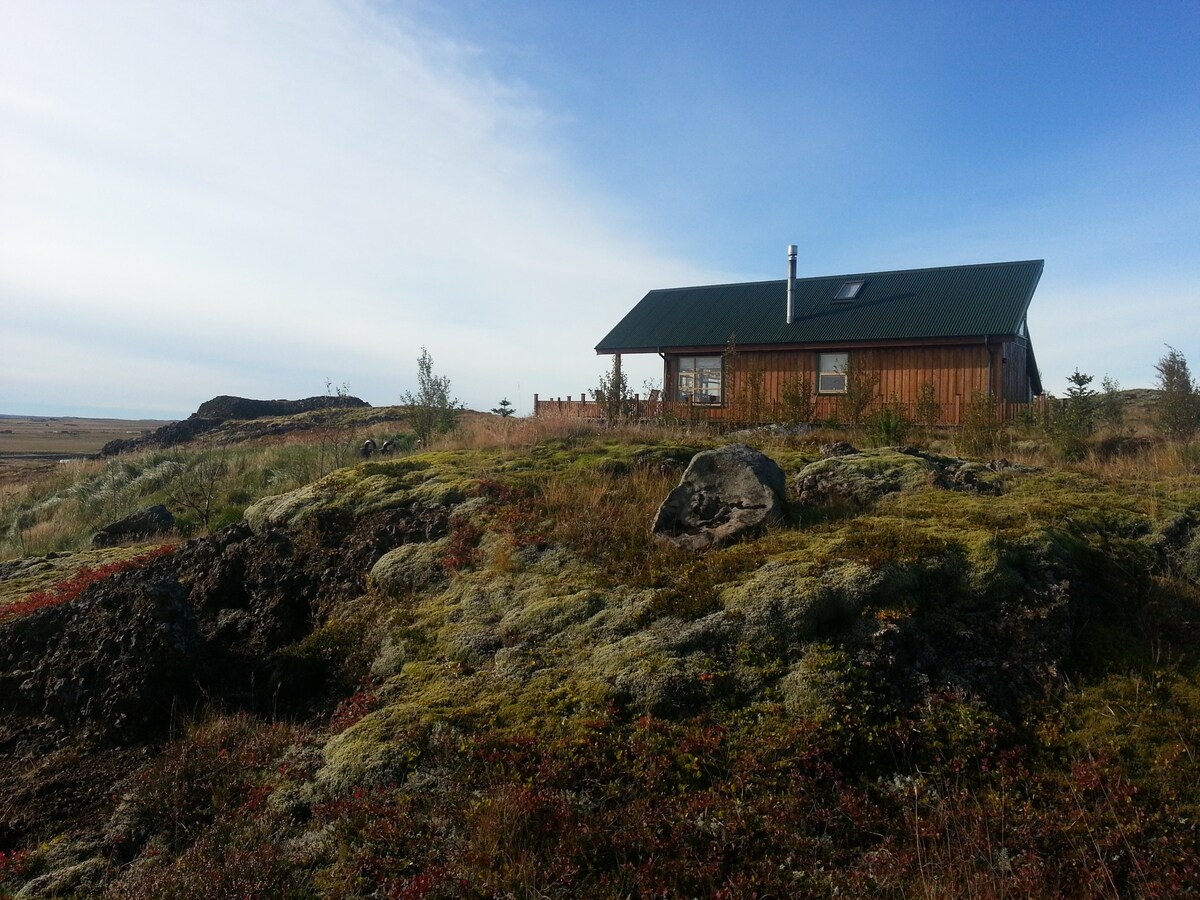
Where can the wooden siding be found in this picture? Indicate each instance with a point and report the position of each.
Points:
(754, 381)
(1016, 373)
(956, 372)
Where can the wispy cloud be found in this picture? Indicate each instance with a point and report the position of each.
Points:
(249, 198)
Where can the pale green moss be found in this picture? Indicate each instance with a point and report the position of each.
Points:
(389, 661)
(432, 480)
(409, 568)
(529, 637)
(375, 751)
(542, 618)
(790, 598)
(815, 687)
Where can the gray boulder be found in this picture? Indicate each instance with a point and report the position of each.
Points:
(725, 495)
(151, 520)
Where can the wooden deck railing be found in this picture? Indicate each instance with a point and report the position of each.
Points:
(825, 409)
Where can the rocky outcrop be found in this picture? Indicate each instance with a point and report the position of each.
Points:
(837, 448)
(153, 520)
(847, 481)
(215, 413)
(725, 495)
(226, 407)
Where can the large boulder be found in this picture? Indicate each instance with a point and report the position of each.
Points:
(725, 495)
(146, 522)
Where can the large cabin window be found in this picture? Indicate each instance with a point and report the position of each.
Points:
(831, 373)
(699, 379)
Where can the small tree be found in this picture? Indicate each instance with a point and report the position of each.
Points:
(1177, 412)
(1110, 407)
(612, 393)
(797, 396)
(890, 423)
(431, 410)
(335, 447)
(1076, 418)
(928, 409)
(861, 387)
(753, 395)
(197, 483)
(980, 433)
(503, 409)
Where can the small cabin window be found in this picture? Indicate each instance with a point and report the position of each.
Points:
(831, 373)
(699, 380)
(849, 290)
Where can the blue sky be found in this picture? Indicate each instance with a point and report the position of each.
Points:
(258, 198)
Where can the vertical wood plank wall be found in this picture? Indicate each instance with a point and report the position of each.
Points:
(1015, 361)
(956, 371)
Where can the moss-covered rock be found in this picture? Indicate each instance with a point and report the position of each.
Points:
(791, 599)
(409, 568)
(856, 481)
(433, 480)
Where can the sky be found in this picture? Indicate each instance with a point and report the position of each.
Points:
(284, 198)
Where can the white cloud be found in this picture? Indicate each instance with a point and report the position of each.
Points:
(251, 198)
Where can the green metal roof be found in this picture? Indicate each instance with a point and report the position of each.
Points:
(948, 302)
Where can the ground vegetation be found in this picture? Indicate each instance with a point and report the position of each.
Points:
(472, 671)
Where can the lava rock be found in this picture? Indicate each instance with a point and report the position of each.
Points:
(144, 523)
(725, 495)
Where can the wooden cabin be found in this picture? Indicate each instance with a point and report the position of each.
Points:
(759, 351)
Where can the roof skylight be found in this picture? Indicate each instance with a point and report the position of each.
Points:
(849, 290)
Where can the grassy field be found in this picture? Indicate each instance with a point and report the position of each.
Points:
(66, 436)
(29, 444)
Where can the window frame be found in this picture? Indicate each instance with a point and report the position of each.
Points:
(692, 396)
(838, 362)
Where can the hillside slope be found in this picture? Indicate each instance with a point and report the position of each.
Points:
(474, 673)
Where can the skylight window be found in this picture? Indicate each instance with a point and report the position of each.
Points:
(849, 290)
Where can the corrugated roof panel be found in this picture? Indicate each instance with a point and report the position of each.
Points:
(954, 301)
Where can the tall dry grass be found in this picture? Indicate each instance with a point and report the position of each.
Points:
(61, 509)
(490, 432)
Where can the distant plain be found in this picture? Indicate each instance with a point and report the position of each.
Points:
(29, 443)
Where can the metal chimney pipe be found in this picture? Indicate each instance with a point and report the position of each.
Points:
(791, 298)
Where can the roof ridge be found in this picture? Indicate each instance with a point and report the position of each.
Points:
(728, 284)
(692, 287)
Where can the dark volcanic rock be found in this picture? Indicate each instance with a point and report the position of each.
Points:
(218, 621)
(725, 494)
(168, 436)
(114, 667)
(118, 446)
(149, 521)
(182, 432)
(226, 407)
(837, 448)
